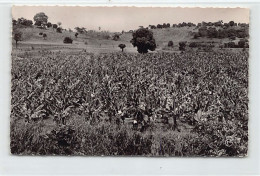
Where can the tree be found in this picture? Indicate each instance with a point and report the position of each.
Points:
(49, 24)
(24, 22)
(14, 22)
(116, 37)
(67, 40)
(182, 46)
(55, 26)
(99, 28)
(143, 39)
(59, 30)
(231, 23)
(80, 30)
(59, 24)
(40, 18)
(170, 44)
(17, 37)
(76, 35)
(44, 36)
(122, 46)
(242, 43)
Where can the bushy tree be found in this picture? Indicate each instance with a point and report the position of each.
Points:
(17, 37)
(182, 46)
(44, 36)
(67, 40)
(55, 26)
(40, 18)
(170, 44)
(80, 30)
(122, 46)
(231, 23)
(49, 24)
(59, 30)
(143, 39)
(24, 22)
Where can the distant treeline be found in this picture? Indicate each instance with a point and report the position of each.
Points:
(202, 24)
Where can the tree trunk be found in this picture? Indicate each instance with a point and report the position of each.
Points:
(122, 49)
(16, 43)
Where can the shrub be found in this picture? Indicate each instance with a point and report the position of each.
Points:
(40, 33)
(67, 40)
(170, 44)
(44, 36)
(59, 30)
(76, 35)
(182, 46)
(193, 45)
(241, 43)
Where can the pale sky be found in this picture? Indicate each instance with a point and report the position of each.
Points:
(126, 18)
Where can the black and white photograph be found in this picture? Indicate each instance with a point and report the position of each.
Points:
(129, 81)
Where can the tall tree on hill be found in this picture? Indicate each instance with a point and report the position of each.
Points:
(143, 39)
(17, 37)
(40, 18)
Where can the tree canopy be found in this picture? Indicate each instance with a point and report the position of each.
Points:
(143, 39)
(40, 18)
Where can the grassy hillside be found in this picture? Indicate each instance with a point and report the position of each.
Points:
(100, 42)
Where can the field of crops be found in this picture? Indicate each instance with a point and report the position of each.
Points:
(159, 104)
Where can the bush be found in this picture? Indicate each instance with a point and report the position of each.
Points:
(170, 44)
(59, 30)
(193, 45)
(44, 36)
(241, 43)
(196, 35)
(40, 33)
(182, 46)
(76, 35)
(67, 40)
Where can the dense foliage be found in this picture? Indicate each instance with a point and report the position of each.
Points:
(67, 40)
(143, 39)
(80, 104)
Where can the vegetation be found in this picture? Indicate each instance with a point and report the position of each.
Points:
(17, 37)
(40, 19)
(170, 44)
(59, 30)
(182, 46)
(143, 39)
(122, 46)
(67, 40)
(44, 36)
(78, 104)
